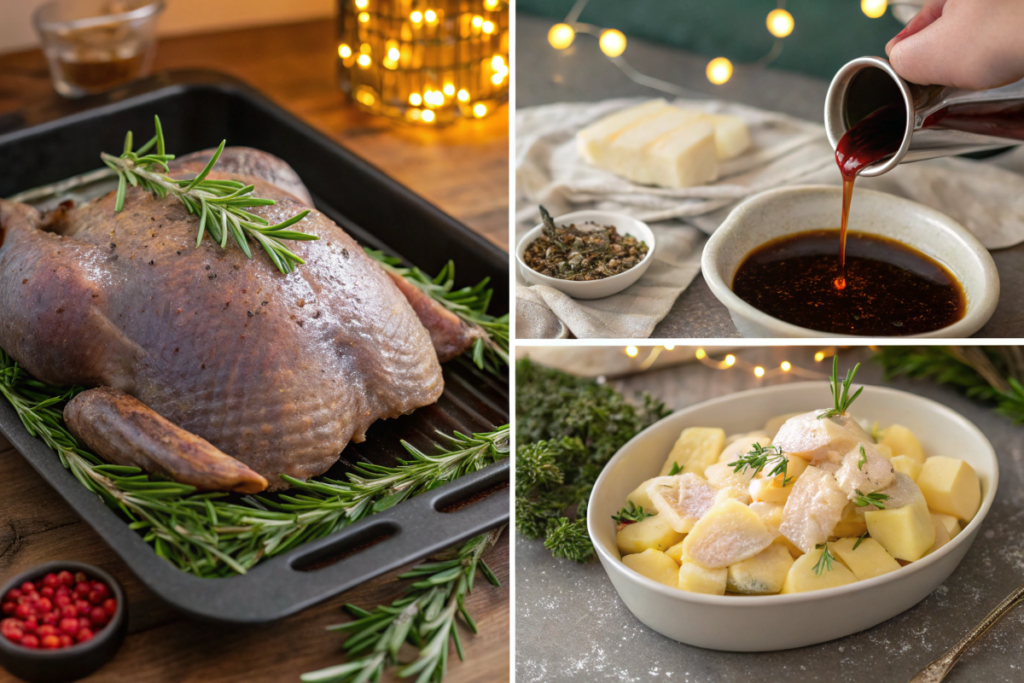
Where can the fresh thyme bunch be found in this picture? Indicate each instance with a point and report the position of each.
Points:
(567, 429)
(425, 617)
(469, 303)
(216, 535)
(220, 204)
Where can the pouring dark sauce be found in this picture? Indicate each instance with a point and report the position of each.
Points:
(890, 289)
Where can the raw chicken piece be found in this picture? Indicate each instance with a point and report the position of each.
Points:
(682, 499)
(864, 469)
(820, 440)
(813, 509)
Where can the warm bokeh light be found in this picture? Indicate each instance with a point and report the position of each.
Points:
(448, 89)
(612, 42)
(366, 97)
(786, 367)
(430, 15)
(719, 70)
(561, 36)
(491, 5)
(780, 23)
(364, 17)
(669, 347)
(730, 360)
(819, 356)
(364, 61)
(463, 95)
(701, 355)
(417, 17)
(362, 4)
(631, 351)
(488, 27)
(427, 115)
(479, 110)
(394, 54)
(344, 51)
(874, 8)
(478, 21)
(759, 371)
(415, 99)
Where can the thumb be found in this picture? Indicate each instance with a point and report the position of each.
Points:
(934, 55)
(924, 18)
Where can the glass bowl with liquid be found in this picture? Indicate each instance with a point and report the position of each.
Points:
(95, 45)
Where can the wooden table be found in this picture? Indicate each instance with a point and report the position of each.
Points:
(464, 170)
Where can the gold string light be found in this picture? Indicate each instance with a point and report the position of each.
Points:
(730, 361)
(425, 61)
(873, 8)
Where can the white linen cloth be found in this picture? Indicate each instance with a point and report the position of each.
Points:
(985, 197)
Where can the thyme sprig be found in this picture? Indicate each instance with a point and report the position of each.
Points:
(825, 561)
(631, 513)
(490, 353)
(862, 460)
(860, 540)
(758, 458)
(220, 204)
(841, 390)
(214, 535)
(426, 617)
(876, 499)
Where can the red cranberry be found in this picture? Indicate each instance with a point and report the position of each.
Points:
(100, 589)
(62, 600)
(14, 636)
(47, 630)
(52, 618)
(9, 625)
(82, 589)
(69, 611)
(69, 626)
(84, 635)
(66, 578)
(28, 587)
(98, 616)
(13, 594)
(30, 641)
(110, 607)
(66, 640)
(8, 607)
(47, 592)
(80, 577)
(49, 642)
(83, 607)
(23, 610)
(44, 604)
(50, 580)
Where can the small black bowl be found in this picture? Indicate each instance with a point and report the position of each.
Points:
(77, 661)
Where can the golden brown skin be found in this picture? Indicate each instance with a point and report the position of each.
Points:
(279, 371)
(127, 432)
(450, 335)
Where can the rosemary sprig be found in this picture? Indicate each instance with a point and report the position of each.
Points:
(676, 469)
(860, 540)
(469, 303)
(825, 561)
(876, 499)
(425, 617)
(631, 513)
(213, 535)
(841, 390)
(758, 458)
(862, 460)
(220, 204)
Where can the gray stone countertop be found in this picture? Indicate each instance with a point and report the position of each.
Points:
(581, 74)
(572, 626)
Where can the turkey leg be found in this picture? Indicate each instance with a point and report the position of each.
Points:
(125, 431)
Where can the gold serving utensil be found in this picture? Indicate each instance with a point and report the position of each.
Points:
(938, 670)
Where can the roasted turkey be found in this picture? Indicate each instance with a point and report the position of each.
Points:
(211, 368)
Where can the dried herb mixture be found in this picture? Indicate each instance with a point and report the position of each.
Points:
(587, 252)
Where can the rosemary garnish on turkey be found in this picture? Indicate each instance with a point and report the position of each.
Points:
(220, 204)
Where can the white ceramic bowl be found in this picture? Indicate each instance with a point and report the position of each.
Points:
(592, 289)
(780, 622)
(789, 210)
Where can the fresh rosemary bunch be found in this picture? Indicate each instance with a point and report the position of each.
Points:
(425, 617)
(841, 390)
(993, 374)
(490, 353)
(758, 458)
(216, 535)
(567, 430)
(220, 204)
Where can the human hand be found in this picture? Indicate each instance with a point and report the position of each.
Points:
(975, 44)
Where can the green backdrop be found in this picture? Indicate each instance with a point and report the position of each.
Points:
(827, 33)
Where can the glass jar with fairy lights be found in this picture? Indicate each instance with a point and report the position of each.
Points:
(427, 62)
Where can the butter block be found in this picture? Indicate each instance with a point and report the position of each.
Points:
(592, 140)
(683, 158)
(732, 137)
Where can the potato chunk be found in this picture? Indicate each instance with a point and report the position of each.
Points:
(902, 442)
(696, 449)
(721, 476)
(640, 498)
(802, 577)
(730, 532)
(676, 552)
(762, 574)
(949, 522)
(649, 533)
(655, 565)
(907, 532)
(852, 523)
(950, 486)
(906, 465)
(739, 444)
(697, 579)
(867, 561)
(813, 509)
(681, 500)
(942, 536)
